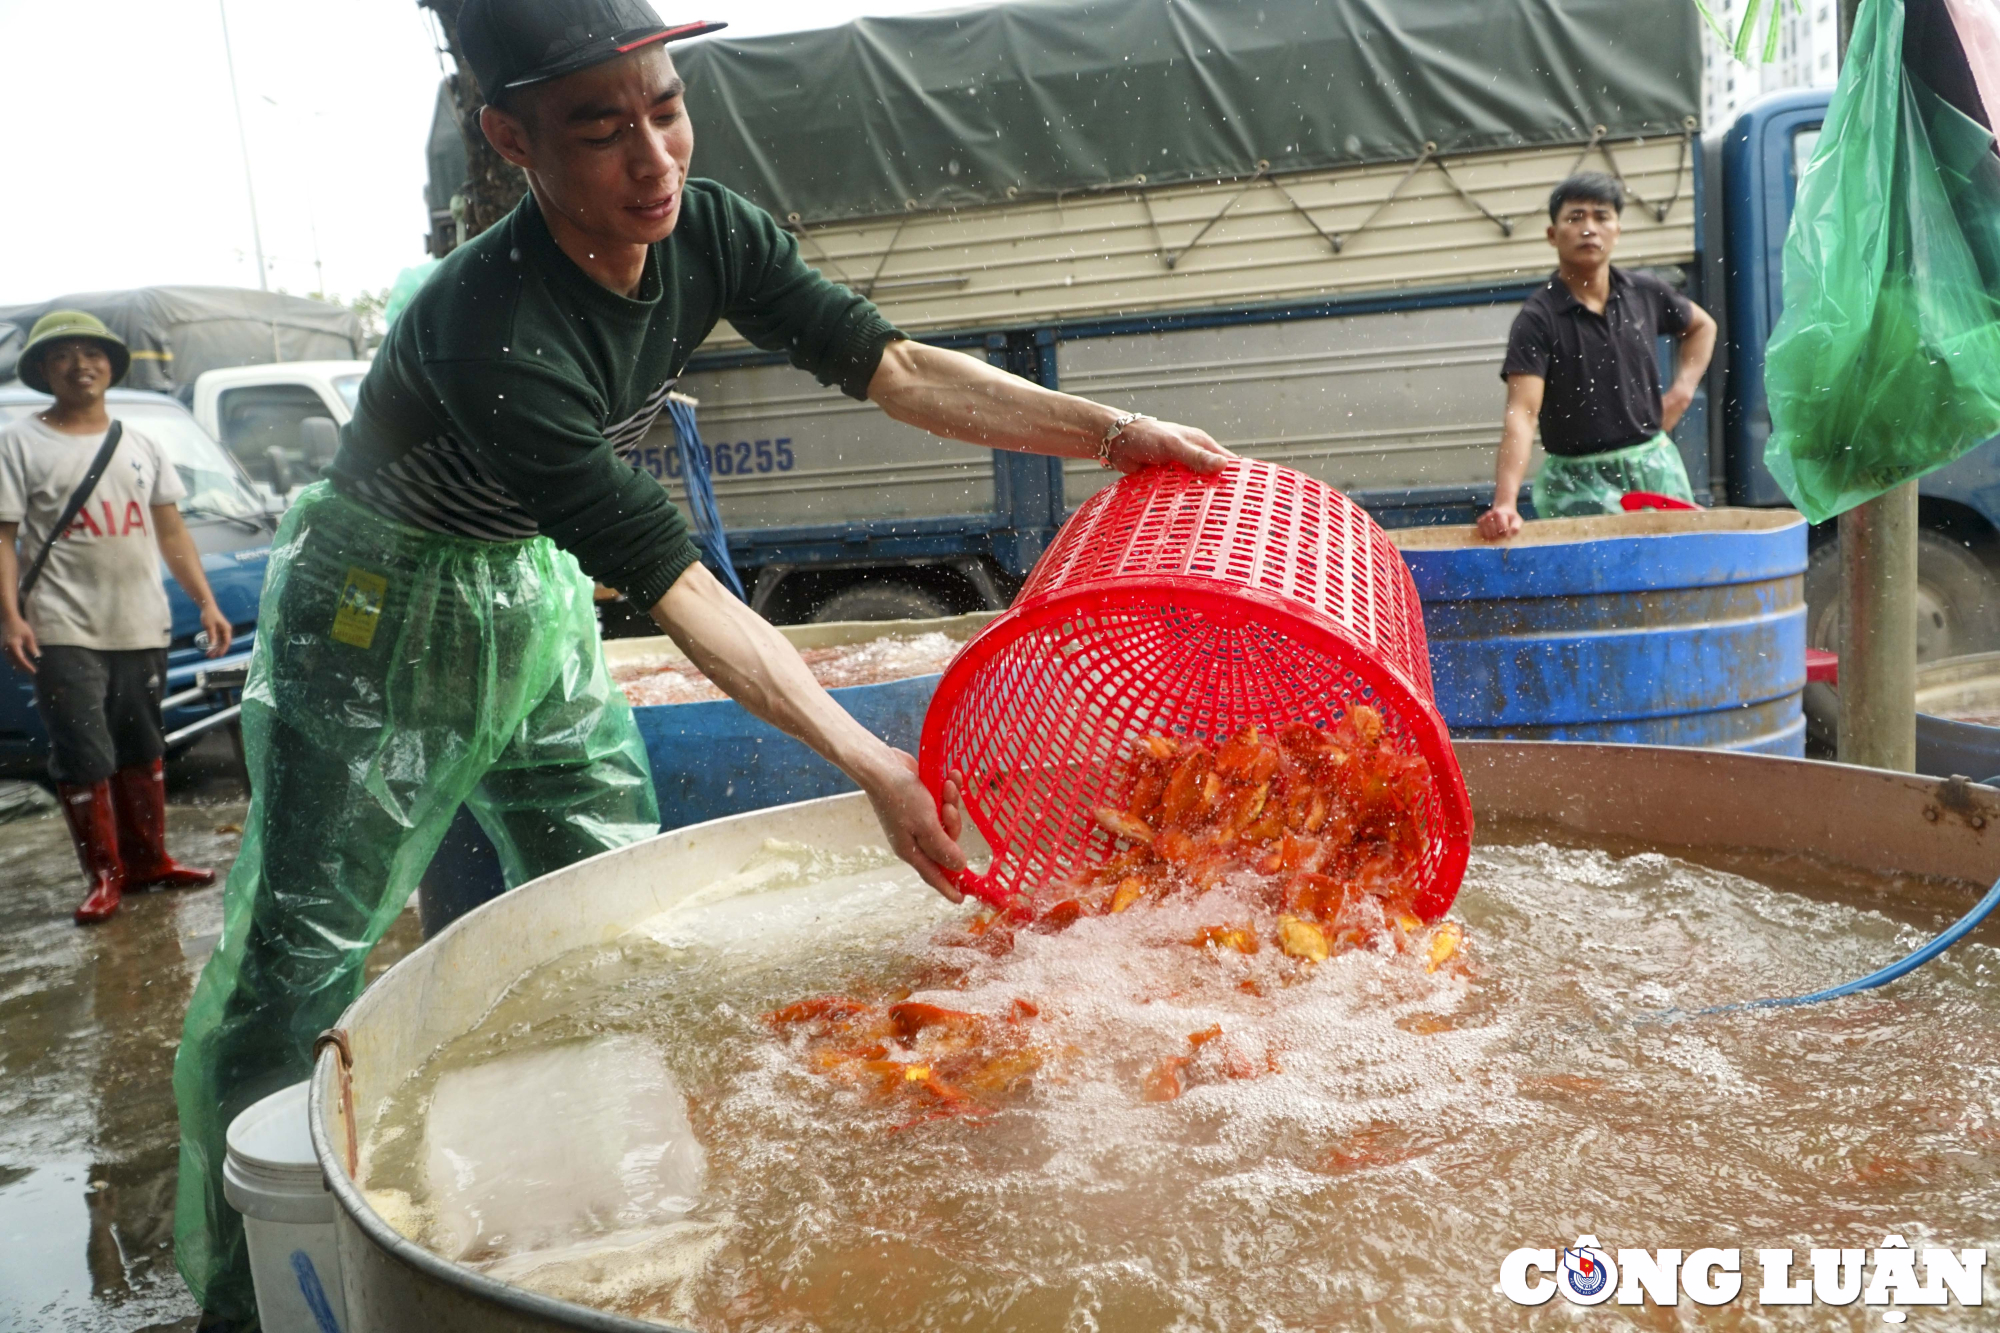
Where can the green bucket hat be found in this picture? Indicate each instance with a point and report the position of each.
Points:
(59, 324)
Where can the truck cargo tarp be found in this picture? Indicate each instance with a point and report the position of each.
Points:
(445, 153)
(176, 333)
(1038, 97)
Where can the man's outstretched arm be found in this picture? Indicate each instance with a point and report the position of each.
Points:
(963, 398)
(756, 666)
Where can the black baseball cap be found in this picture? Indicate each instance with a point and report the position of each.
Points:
(513, 43)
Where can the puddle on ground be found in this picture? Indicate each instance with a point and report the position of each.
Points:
(89, 1021)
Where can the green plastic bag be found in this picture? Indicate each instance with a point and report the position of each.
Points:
(397, 674)
(1886, 362)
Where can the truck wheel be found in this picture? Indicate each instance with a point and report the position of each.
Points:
(880, 601)
(1958, 599)
(1958, 612)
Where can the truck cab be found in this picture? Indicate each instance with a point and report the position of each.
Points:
(281, 422)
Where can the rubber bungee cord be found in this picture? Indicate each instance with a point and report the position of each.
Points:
(1957, 931)
(708, 532)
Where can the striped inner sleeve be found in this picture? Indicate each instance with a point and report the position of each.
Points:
(439, 487)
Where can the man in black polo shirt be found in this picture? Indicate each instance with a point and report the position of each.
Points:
(1581, 364)
(426, 636)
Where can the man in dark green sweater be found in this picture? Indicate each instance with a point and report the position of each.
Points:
(427, 636)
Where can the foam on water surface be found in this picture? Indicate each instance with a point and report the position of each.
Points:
(1419, 1126)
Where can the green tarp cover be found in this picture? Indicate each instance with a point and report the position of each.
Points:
(176, 333)
(1044, 96)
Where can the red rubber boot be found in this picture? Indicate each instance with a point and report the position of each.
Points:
(141, 792)
(94, 829)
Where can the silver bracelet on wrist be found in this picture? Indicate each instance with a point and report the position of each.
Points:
(1113, 431)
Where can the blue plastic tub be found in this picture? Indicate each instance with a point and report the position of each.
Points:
(1655, 628)
(714, 759)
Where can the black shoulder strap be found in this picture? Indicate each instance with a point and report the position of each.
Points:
(77, 500)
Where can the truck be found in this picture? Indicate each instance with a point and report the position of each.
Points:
(1304, 227)
(176, 333)
(280, 420)
(253, 366)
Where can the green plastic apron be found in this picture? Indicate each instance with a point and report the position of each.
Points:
(1569, 487)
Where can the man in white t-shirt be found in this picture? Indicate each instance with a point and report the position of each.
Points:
(95, 628)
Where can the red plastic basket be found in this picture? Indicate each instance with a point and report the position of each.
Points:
(1193, 606)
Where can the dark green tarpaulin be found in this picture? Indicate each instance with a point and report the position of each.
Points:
(1043, 96)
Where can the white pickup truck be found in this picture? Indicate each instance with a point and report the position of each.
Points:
(281, 421)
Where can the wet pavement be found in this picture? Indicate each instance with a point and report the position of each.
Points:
(89, 1021)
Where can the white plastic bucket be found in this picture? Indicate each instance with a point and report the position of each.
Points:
(271, 1177)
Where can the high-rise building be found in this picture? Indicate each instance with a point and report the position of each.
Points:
(1808, 46)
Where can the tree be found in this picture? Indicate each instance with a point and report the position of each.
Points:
(493, 185)
(366, 305)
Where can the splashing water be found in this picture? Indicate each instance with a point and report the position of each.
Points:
(1419, 1126)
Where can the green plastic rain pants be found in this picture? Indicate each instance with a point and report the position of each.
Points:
(1570, 487)
(397, 674)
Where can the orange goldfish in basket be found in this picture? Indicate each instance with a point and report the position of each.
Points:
(1322, 827)
(1329, 814)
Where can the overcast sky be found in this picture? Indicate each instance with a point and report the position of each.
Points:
(123, 167)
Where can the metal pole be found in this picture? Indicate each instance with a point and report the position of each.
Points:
(1878, 631)
(1878, 610)
(243, 142)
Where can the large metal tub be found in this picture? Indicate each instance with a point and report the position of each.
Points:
(1662, 628)
(1695, 802)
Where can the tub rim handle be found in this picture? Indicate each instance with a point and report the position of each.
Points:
(343, 1046)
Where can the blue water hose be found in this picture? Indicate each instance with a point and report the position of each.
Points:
(1958, 930)
(708, 532)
